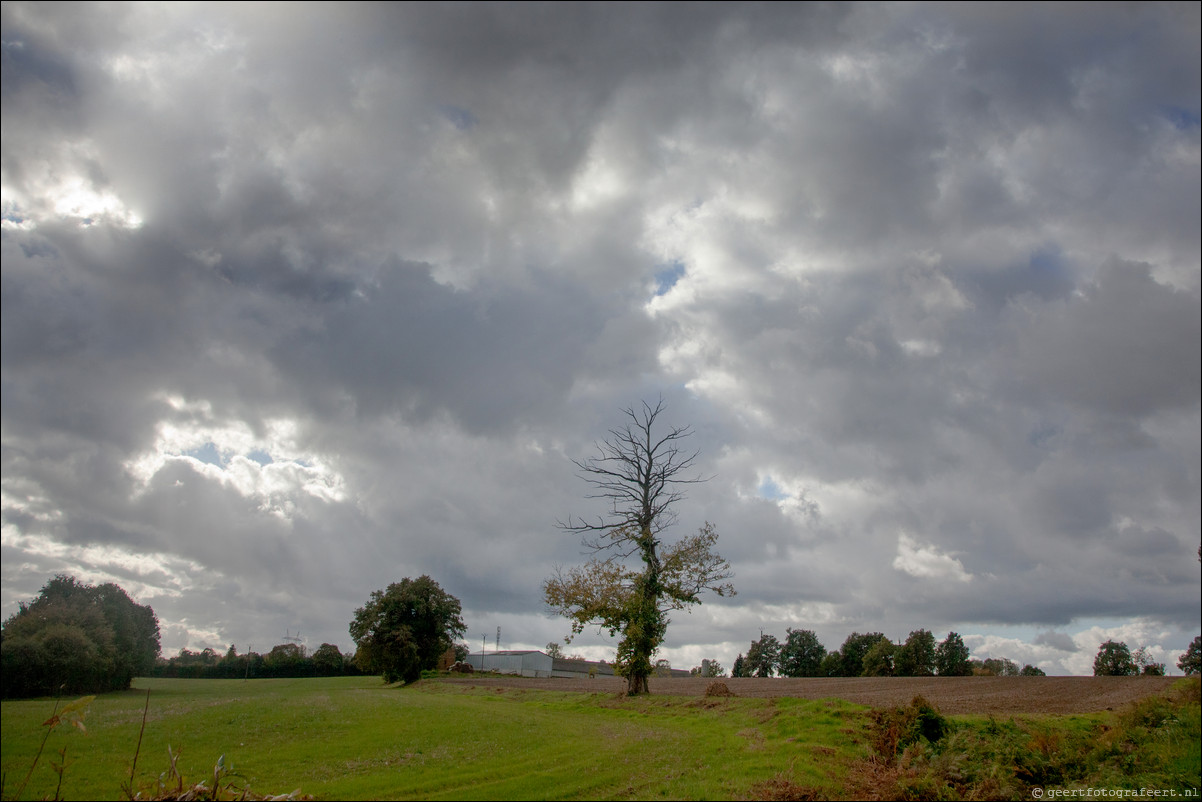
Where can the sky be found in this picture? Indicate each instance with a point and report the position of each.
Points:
(300, 300)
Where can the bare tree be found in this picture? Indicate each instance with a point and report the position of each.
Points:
(641, 473)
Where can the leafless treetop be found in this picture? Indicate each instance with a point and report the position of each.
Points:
(640, 472)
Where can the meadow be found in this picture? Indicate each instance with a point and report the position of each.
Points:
(355, 738)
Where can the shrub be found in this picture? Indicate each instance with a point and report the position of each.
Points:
(76, 638)
(895, 729)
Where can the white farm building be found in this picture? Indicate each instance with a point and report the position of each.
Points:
(532, 663)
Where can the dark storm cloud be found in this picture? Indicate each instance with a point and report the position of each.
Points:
(412, 345)
(1127, 346)
(331, 296)
(1057, 640)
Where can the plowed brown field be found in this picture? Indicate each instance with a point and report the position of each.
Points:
(999, 695)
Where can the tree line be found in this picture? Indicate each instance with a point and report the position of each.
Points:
(869, 654)
(283, 661)
(872, 654)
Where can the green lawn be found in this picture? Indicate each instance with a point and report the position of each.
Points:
(354, 738)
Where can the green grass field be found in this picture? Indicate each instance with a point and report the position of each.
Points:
(354, 738)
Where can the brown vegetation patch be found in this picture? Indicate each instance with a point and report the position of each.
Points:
(718, 689)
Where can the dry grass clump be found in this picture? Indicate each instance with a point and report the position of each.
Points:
(718, 688)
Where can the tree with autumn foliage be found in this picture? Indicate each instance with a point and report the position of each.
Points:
(640, 469)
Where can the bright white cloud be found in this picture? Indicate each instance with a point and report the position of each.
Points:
(924, 561)
(268, 467)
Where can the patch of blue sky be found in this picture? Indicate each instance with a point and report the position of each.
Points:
(207, 453)
(1181, 119)
(459, 117)
(770, 490)
(667, 275)
(260, 456)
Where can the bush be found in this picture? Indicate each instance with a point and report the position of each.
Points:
(1153, 743)
(895, 729)
(75, 638)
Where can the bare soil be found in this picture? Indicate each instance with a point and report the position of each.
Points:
(997, 695)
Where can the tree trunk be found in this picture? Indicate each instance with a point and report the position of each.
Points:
(636, 685)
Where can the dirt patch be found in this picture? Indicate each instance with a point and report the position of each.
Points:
(997, 695)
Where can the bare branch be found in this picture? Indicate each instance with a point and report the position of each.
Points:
(639, 473)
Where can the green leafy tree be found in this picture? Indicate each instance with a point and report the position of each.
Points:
(801, 654)
(1145, 665)
(1190, 661)
(286, 660)
(952, 657)
(1114, 660)
(135, 633)
(713, 669)
(999, 667)
(327, 660)
(763, 657)
(405, 629)
(78, 638)
(832, 665)
(1029, 670)
(232, 665)
(916, 657)
(554, 651)
(641, 472)
(879, 662)
(853, 651)
(739, 669)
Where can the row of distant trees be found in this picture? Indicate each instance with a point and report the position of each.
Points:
(1115, 659)
(869, 654)
(874, 655)
(284, 660)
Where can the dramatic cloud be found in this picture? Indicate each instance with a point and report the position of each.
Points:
(298, 303)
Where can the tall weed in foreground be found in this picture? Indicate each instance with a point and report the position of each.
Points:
(1155, 743)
